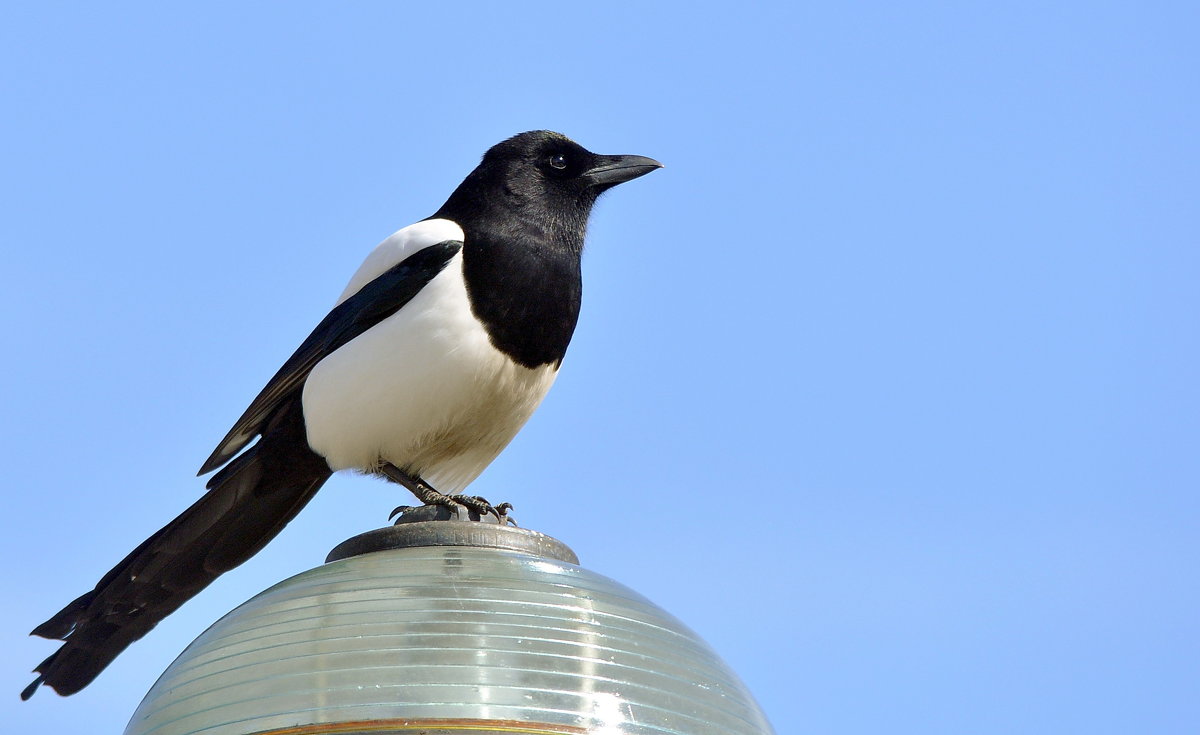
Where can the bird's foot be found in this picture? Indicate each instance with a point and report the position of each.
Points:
(459, 507)
(454, 508)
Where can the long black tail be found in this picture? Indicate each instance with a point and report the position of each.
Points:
(247, 504)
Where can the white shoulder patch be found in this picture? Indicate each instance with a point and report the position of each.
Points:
(397, 247)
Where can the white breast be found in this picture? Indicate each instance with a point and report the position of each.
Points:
(424, 389)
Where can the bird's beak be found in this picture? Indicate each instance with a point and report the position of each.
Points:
(613, 170)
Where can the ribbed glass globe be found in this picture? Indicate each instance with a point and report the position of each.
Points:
(449, 639)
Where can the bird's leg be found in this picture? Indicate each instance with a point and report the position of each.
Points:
(429, 496)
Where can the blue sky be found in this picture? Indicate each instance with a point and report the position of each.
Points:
(886, 385)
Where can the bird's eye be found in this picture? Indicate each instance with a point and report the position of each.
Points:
(558, 161)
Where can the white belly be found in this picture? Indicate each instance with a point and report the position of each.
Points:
(424, 390)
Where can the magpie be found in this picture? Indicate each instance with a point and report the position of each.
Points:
(440, 348)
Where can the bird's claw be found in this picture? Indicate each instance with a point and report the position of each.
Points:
(399, 509)
(483, 507)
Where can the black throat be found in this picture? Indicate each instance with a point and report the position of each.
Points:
(523, 275)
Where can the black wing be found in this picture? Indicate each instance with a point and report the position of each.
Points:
(373, 303)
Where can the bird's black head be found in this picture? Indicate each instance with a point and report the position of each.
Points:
(542, 180)
(524, 212)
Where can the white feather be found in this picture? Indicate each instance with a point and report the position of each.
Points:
(398, 246)
(424, 389)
